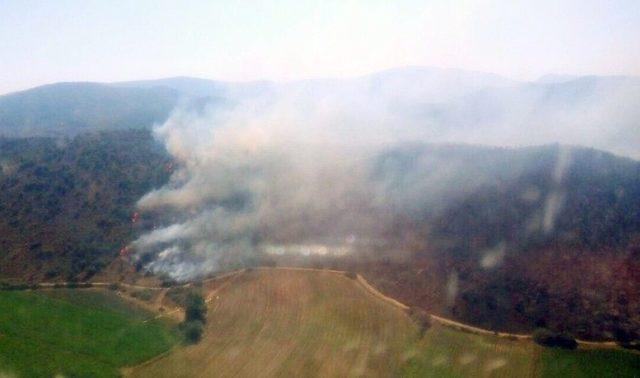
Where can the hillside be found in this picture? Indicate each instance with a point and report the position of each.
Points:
(280, 322)
(67, 109)
(67, 210)
(66, 206)
(438, 105)
(509, 239)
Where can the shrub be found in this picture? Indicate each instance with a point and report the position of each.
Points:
(144, 295)
(179, 295)
(351, 274)
(548, 338)
(21, 286)
(195, 308)
(421, 318)
(627, 339)
(168, 283)
(192, 331)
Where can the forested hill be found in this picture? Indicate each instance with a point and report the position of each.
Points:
(544, 236)
(66, 204)
(67, 109)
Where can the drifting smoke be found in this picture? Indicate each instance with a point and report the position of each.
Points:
(255, 177)
(316, 170)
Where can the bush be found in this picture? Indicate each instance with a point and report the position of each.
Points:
(114, 286)
(144, 295)
(351, 274)
(18, 286)
(168, 283)
(421, 318)
(548, 338)
(178, 295)
(627, 339)
(195, 308)
(192, 331)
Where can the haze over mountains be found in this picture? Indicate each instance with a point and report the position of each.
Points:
(438, 105)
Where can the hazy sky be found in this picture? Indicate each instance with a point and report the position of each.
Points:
(49, 41)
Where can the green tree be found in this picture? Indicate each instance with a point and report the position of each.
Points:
(195, 308)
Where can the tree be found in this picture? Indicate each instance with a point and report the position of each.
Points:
(548, 338)
(193, 331)
(195, 308)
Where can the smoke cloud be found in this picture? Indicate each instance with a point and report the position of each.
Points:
(310, 167)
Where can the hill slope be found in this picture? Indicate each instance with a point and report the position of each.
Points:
(66, 207)
(66, 109)
(439, 105)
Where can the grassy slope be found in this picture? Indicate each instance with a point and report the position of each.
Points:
(84, 333)
(296, 323)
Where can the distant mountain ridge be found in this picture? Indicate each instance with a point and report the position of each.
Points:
(66, 109)
(438, 105)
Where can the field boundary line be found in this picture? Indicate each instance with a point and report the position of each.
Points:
(359, 278)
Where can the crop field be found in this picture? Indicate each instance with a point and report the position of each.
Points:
(85, 333)
(293, 323)
(445, 352)
(268, 323)
(301, 323)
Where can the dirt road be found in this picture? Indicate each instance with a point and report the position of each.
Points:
(360, 279)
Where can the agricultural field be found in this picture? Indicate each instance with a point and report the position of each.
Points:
(75, 333)
(268, 323)
(301, 323)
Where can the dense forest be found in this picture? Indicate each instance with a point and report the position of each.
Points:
(66, 204)
(517, 244)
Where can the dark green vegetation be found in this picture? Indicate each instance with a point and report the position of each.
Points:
(82, 333)
(547, 338)
(195, 316)
(66, 205)
(195, 308)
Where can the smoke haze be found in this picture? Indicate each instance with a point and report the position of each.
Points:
(314, 166)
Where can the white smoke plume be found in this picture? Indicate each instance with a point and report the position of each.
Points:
(301, 169)
(257, 175)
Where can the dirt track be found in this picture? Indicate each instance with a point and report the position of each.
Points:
(363, 282)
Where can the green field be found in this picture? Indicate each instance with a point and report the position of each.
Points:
(75, 333)
(281, 323)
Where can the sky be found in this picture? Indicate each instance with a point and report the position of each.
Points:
(50, 41)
